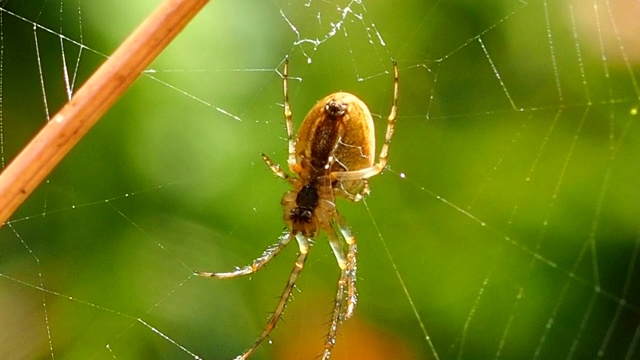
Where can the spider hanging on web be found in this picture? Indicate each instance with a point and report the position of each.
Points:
(333, 156)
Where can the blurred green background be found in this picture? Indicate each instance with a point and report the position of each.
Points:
(509, 210)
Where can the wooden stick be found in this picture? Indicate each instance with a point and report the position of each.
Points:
(91, 101)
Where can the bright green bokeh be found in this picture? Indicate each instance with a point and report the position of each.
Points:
(515, 229)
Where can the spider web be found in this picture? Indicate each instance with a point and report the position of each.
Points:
(506, 225)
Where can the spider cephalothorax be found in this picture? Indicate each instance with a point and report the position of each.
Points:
(332, 156)
(306, 203)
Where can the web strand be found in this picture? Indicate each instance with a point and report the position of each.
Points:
(506, 216)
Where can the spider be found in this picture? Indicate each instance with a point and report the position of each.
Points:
(332, 156)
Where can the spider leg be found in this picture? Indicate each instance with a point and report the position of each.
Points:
(352, 294)
(277, 170)
(293, 164)
(361, 194)
(337, 316)
(330, 340)
(384, 152)
(258, 263)
(346, 292)
(303, 243)
(336, 246)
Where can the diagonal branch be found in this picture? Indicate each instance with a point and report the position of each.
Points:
(91, 101)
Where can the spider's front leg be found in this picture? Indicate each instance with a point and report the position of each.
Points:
(378, 167)
(268, 254)
(304, 246)
(346, 295)
(277, 170)
(352, 294)
(360, 193)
